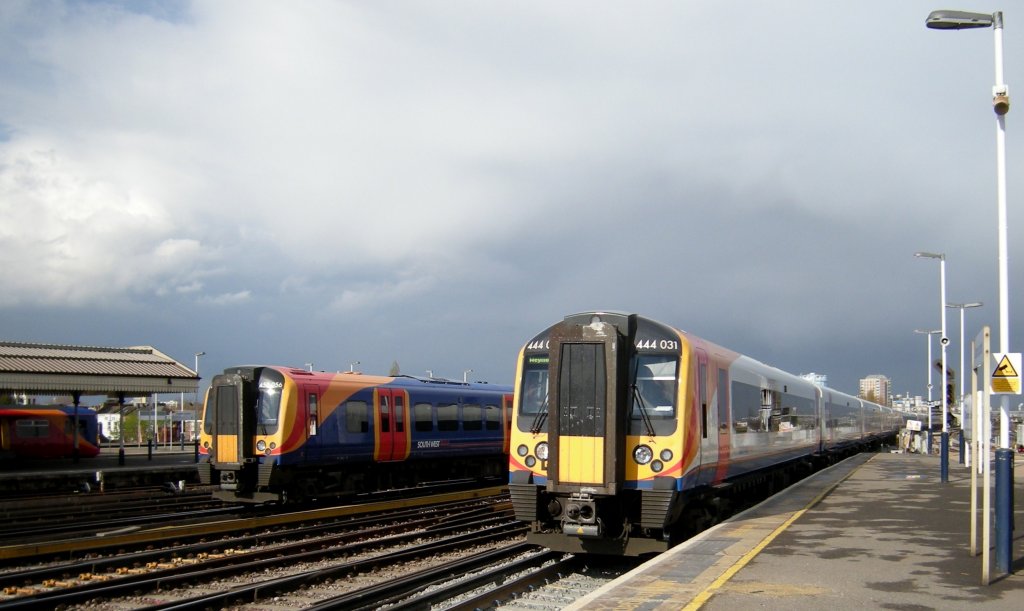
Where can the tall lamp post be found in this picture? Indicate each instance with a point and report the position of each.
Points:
(929, 333)
(963, 374)
(943, 341)
(198, 354)
(960, 20)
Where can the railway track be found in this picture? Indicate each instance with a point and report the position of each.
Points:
(243, 547)
(49, 518)
(459, 554)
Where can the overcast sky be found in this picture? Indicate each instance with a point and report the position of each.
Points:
(435, 182)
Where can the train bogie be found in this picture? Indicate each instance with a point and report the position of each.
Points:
(276, 433)
(628, 433)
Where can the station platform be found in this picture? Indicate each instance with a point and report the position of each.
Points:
(875, 531)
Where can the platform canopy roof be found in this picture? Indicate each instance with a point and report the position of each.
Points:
(91, 370)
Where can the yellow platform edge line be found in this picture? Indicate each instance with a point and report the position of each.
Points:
(699, 600)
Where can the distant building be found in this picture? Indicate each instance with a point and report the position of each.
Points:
(876, 388)
(819, 379)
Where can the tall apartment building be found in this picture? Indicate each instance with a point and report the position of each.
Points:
(875, 388)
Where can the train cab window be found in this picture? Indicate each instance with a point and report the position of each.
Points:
(472, 418)
(533, 397)
(422, 414)
(356, 417)
(654, 395)
(492, 418)
(448, 417)
(268, 401)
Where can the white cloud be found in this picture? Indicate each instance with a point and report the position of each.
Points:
(227, 299)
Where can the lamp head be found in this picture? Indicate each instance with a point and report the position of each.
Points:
(958, 20)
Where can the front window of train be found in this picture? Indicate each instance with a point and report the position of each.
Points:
(268, 401)
(533, 395)
(654, 394)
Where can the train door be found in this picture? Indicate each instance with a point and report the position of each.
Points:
(392, 415)
(724, 423)
(708, 420)
(309, 411)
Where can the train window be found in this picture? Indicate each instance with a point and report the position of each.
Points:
(268, 401)
(654, 393)
(582, 389)
(723, 401)
(399, 414)
(533, 397)
(492, 417)
(472, 418)
(32, 429)
(751, 408)
(385, 415)
(356, 417)
(655, 386)
(703, 383)
(422, 414)
(448, 417)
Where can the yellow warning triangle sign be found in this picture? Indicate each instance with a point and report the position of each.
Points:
(1005, 369)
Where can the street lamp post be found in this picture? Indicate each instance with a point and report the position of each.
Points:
(943, 341)
(352, 366)
(196, 399)
(929, 333)
(960, 20)
(963, 372)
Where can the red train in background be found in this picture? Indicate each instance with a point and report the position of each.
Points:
(31, 431)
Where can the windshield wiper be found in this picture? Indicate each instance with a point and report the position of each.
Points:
(538, 420)
(638, 399)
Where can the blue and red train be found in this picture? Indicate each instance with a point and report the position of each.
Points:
(31, 431)
(628, 433)
(273, 434)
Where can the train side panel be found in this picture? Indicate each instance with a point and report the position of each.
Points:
(48, 432)
(301, 434)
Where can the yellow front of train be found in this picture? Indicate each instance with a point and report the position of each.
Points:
(599, 435)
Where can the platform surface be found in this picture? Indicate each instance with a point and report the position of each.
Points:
(876, 531)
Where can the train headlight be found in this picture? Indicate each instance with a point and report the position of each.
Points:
(657, 466)
(522, 450)
(541, 450)
(530, 461)
(642, 454)
(666, 455)
(261, 445)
